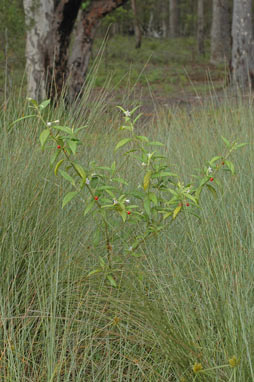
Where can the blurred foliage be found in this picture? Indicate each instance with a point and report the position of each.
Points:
(150, 14)
(12, 39)
(12, 22)
(166, 64)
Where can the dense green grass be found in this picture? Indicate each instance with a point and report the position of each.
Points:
(187, 299)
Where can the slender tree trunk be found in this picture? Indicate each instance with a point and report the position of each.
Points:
(150, 23)
(243, 44)
(137, 29)
(173, 18)
(38, 21)
(164, 11)
(83, 40)
(201, 28)
(221, 32)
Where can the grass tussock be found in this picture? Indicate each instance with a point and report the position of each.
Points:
(186, 301)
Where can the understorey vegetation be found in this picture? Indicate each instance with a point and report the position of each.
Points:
(162, 291)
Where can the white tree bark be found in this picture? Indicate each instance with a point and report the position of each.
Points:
(221, 32)
(242, 50)
(38, 14)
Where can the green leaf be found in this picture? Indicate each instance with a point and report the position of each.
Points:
(113, 166)
(122, 143)
(66, 176)
(212, 190)
(230, 166)
(73, 146)
(111, 281)
(44, 104)
(189, 196)
(68, 197)
(204, 181)
(54, 156)
(135, 254)
(138, 116)
(147, 179)
(163, 173)
(85, 4)
(57, 166)
(121, 108)
(20, 119)
(152, 196)
(165, 216)
(89, 207)
(214, 159)
(44, 136)
(80, 128)
(135, 108)
(104, 168)
(102, 262)
(227, 143)
(177, 210)
(98, 270)
(33, 101)
(120, 180)
(65, 129)
(130, 128)
(102, 188)
(142, 138)
(110, 193)
(123, 214)
(80, 170)
(155, 143)
(241, 145)
(198, 192)
(147, 203)
(172, 192)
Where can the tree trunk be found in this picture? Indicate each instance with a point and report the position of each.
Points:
(221, 32)
(137, 29)
(38, 22)
(50, 25)
(150, 24)
(83, 40)
(201, 28)
(56, 56)
(164, 24)
(173, 18)
(243, 45)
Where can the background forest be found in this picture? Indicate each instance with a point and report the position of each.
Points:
(182, 46)
(126, 191)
